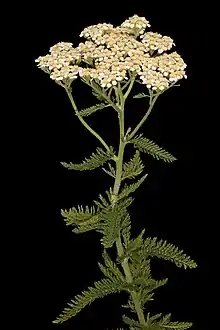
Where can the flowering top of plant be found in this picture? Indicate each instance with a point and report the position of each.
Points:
(110, 54)
(110, 61)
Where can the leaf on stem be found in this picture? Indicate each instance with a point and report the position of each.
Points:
(133, 168)
(100, 289)
(96, 159)
(112, 219)
(88, 111)
(140, 95)
(150, 147)
(162, 249)
(128, 189)
(110, 269)
(111, 171)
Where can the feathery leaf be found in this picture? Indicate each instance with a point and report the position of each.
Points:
(88, 111)
(80, 216)
(128, 189)
(111, 171)
(145, 297)
(150, 147)
(87, 218)
(130, 321)
(165, 323)
(99, 290)
(140, 95)
(177, 325)
(97, 91)
(133, 168)
(96, 159)
(126, 229)
(132, 246)
(111, 269)
(103, 203)
(164, 250)
(111, 224)
(155, 284)
(157, 322)
(84, 228)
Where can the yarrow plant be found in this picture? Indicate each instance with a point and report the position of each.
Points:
(111, 61)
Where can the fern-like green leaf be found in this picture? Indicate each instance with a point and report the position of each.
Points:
(111, 171)
(111, 269)
(140, 96)
(130, 305)
(145, 297)
(163, 250)
(141, 271)
(130, 321)
(177, 325)
(99, 290)
(153, 285)
(131, 246)
(126, 229)
(150, 147)
(97, 159)
(103, 203)
(157, 322)
(81, 216)
(111, 228)
(136, 243)
(133, 168)
(84, 228)
(105, 271)
(87, 218)
(151, 319)
(111, 224)
(88, 111)
(165, 323)
(128, 189)
(97, 91)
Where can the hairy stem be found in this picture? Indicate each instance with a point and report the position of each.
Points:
(119, 246)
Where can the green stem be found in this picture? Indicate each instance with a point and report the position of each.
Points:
(119, 162)
(151, 104)
(83, 121)
(119, 246)
(130, 87)
(129, 279)
(116, 94)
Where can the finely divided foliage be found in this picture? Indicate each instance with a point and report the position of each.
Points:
(96, 159)
(150, 147)
(110, 61)
(133, 168)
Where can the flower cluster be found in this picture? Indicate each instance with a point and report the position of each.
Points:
(95, 32)
(156, 41)
(110, 55)
(135, 24)
(60, 63)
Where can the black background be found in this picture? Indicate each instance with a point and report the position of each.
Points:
(170, 204)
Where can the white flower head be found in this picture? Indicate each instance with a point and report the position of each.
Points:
(112, 54)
